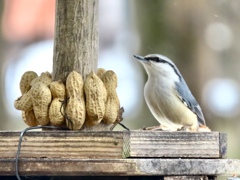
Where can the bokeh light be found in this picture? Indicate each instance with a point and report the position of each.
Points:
(222, 97)
(219, 36)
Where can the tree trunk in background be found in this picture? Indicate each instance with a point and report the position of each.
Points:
(76, 38)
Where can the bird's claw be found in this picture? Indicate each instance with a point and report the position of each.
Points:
(156, 128)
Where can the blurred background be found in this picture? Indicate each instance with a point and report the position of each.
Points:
(201, 37)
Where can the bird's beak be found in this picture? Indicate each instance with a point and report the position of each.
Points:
(140, 58)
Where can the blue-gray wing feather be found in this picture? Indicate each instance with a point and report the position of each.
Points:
(188, 99)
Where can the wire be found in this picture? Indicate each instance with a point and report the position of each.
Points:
(70, 123)
(125, 127)
(20, 144)
(46, 127)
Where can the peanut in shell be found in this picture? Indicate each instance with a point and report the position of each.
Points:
(96, 96)
(75, 109)
(109, 79)
(24, 102)
(26, 80)
(29, 118)
(41, 98)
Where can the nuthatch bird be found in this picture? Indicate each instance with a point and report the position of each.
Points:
(168, 96)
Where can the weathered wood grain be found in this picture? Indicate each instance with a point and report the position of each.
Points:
(120, 167)
(62, 144)
(190, 178)
(142, 144)
(174, 144)
(76, 42)
(74, 153)
(76, 38)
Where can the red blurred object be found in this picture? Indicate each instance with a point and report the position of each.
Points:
(28, 20)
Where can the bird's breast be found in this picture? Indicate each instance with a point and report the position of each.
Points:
(165, 106)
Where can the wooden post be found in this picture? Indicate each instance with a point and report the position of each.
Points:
(76, 38)
(76, 42)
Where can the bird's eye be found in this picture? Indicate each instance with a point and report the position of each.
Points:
(156, 59)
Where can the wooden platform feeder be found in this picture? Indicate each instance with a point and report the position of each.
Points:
(107, 154)
(169, 155)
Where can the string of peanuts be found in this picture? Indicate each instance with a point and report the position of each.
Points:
(74, 105)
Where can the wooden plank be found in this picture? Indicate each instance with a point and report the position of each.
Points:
(190, 178)
(175, 144)
(62, 144)
(100, 154)
(120, 167)
(223, 145)
(76, 144)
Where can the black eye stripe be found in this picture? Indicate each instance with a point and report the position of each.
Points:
(157, 59)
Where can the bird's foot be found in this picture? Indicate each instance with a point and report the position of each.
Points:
(156, 128)
(184, 128)
(187, 129)
(203, 128)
